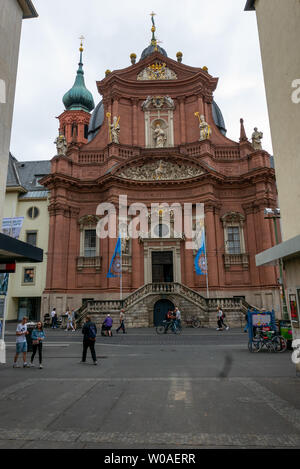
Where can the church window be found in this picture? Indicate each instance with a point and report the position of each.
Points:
(86, 130)
(89, 243)
(233, 240)
(233, 223)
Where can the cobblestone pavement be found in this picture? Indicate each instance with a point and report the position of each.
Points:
(202, 389)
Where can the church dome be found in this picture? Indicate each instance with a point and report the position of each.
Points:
(96, 121)
(79, 97)
(218, 118)
(152, 48)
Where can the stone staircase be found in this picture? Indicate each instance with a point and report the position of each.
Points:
(139, 306)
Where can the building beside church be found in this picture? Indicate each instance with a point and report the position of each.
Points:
(27, 201)
(157, 136)
(281, 22)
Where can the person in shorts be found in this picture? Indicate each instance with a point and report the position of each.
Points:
(21, 342)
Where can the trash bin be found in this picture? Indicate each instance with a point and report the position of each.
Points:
(286, 332)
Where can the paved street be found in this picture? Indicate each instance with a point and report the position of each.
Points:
(202, 389)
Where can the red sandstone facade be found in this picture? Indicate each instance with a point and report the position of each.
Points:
(234, 182)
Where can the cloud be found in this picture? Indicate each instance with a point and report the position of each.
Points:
(217, 34)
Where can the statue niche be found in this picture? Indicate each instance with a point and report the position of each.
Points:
(159, 133)
(158, 111)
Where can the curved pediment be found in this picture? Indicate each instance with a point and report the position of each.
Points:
(160, 170)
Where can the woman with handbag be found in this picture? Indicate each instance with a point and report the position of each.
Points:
(37, 336)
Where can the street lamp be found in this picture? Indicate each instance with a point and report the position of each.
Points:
(270, 213)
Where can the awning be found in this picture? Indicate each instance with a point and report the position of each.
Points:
(287, 250)
(13, 250)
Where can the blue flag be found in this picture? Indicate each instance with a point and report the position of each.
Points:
(200, 259)
(115, 268)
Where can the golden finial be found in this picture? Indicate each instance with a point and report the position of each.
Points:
(81, 43)
(205, 69)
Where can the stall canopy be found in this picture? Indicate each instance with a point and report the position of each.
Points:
(13, 250)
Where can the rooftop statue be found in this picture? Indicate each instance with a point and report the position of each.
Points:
(61, 145)
(256, 139)
(205, 130)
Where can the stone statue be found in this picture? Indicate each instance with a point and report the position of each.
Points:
(159, 136)
(256, 139)
(61, 145)
(115, 130)
(205, 130)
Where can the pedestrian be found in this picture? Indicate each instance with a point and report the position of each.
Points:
(21, 342)
(108, 322)
(37, 336)
(222, 321)
(73, 314)
(69, 321)
(170, 318)
(178, 317)
(219, 318)
(53, 318)
(89, 331)
(122, 319)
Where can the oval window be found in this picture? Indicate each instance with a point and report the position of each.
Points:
(33, 212)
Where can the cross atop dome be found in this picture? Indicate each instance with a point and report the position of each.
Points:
(154, 42)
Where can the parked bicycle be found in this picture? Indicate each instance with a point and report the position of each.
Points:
(165, 328)
(266, 338)
(193, 321)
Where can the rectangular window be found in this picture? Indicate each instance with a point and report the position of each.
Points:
(90, 243)
(28, 277)
(233, 240)
(31, 237)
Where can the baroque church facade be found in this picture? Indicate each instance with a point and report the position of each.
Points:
(157, 136)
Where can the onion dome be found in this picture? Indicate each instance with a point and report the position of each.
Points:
(218, 118)
(96, 121)
(79, 97)
(154, 43)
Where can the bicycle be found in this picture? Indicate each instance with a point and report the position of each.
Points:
(270, 339)
(162, 328)
(194, 322)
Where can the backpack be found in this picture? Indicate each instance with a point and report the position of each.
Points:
(92, 331)
(223, 315)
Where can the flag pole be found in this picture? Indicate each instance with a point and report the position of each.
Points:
(207, 291)
(121, 273)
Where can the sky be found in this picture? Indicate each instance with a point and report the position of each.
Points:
(216, 33)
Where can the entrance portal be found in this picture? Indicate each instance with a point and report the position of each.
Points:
(162, 266)
(161, 308)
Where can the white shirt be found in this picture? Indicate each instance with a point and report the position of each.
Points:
(178, 314)
(53, 313)
(21, 328)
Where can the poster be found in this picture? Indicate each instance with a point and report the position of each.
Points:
(294, 308)
(12, 226)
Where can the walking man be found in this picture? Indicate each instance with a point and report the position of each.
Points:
(178, 317)
(54, 318)
(122, 319)
(89, 331)
(21, 342)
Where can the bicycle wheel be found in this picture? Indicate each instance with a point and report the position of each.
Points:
(270, 345)
(196, 323)
(280, 343)
(254, 346)
(160, 329)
